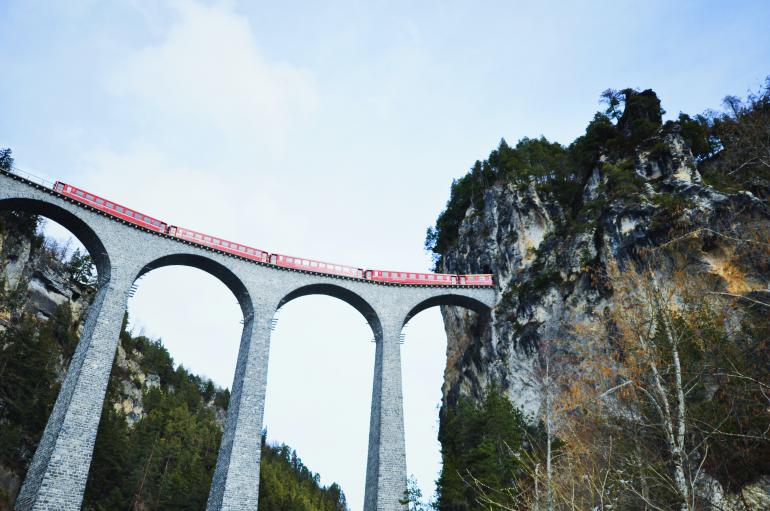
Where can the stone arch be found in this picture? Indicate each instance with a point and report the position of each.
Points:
(346, 295)
(450, 299)
(210, 266)
(78, 227)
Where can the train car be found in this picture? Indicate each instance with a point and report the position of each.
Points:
(218, 243)
(109, 207)
(255, 254)
(402, 277)
(476, 279)
(300, 263)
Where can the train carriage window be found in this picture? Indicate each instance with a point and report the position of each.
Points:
(384, 274)
(207, 238)
(412, 276)
(89, 196)
(313, 264)
(119, 209)
(80, 193)
(431, 277)
(99, 201)
(110, 205)
(403, 275)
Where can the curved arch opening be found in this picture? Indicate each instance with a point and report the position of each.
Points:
(341, 293)
(427, 361)
(209, 266)
(77, 227)
(454, 300)
(51, 261)
(168, 393)
(320, 384)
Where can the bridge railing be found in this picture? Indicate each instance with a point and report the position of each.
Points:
(43, 181)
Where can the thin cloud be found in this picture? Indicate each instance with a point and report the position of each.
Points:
(208, 73)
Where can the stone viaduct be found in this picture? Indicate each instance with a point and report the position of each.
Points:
(122, 253)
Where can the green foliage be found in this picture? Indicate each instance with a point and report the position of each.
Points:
(465, 191)
(622, 181)
(642, 116)
(532, 160)
(413, 497)
(585, 150)
(166, 460)
(481, 445)
(17, 224)
(81, 268)
(733, 146)
(286, 484)
(669, 211)
(556, 170)
(28, 388)
(729, 407)
(698, 134)
(6, 160)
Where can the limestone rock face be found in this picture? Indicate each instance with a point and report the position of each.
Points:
(548, 276)
(544, 273)
(37, 282)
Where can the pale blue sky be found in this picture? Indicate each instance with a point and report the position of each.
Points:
(330, 130)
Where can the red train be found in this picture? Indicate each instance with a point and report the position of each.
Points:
(110, 207)
(255, 254)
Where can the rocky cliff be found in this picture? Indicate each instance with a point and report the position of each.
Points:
(547, 277)
(550, 225)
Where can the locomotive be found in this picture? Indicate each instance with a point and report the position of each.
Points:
(262, 256)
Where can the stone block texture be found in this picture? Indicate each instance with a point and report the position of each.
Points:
(57, 475)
